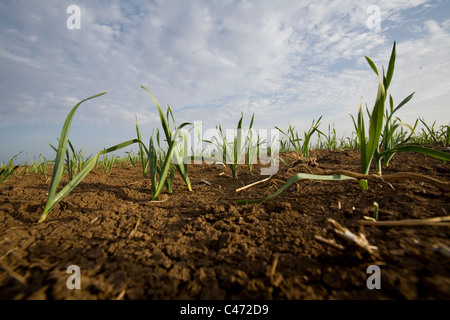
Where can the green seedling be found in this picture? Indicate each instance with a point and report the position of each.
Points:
(174, 154)
(350, 143)
(74, 161)
(291, 140)
(375, 215)
(331, 141)
(233, 153)
(36, 164)
(8, 169)
(53, 196)
(254, 149)
(377, 209)
(439, 155)
(369, 145)
(108, 163)
(444, 134)
(132, 158)
(295, 142)
(308, 134)
(430, 135)
(26, 168)
(389, 137)
(142, 153)
(295, 178)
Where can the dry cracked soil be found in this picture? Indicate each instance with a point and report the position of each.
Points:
(201, 245)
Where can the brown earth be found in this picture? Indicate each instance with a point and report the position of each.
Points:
(202, 245)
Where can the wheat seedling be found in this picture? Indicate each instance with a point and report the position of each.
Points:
(53, 197)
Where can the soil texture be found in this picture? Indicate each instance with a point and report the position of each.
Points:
(201, 245)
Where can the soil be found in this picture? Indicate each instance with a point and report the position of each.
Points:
(202, 245)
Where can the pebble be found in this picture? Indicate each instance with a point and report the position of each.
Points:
(219, 165)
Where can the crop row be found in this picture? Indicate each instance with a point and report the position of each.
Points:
(378, 135)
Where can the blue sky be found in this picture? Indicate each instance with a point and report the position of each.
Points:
(285, 61)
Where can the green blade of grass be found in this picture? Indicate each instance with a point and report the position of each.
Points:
(372, 65)
(307, 135)
(61, 151)
(403, 103)
(153, 163)
(163, 119)
(390, 71)
(295, 178)
(58, 168)
(443, 156)
(9, 169)
(376, 126)
(361, 135)
(79, 177)
(144, 162)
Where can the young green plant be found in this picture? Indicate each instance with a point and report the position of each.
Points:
(308, 134)
(155, 160)
(294, 140)
(108, 163)
(53, 196)
(174, 154)
(294, 179)
(132, 158)
(291, 140)
(369, 145)
(331, 141)
(74, 160)
(393, 142)
(429, 136)
(37, 165)
(389, 137)
(8, 169)
(444, 134)
(254, 149)
(233, 153)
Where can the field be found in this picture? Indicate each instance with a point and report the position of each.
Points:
(362, 217)
(202, 245)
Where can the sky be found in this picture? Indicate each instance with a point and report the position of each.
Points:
(288, 62)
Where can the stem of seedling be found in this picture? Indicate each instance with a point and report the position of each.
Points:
(377, 208)
(294, 179)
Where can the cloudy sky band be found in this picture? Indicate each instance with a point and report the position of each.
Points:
(287, 61)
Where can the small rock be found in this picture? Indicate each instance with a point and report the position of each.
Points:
(219, 165)
(446, 149)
